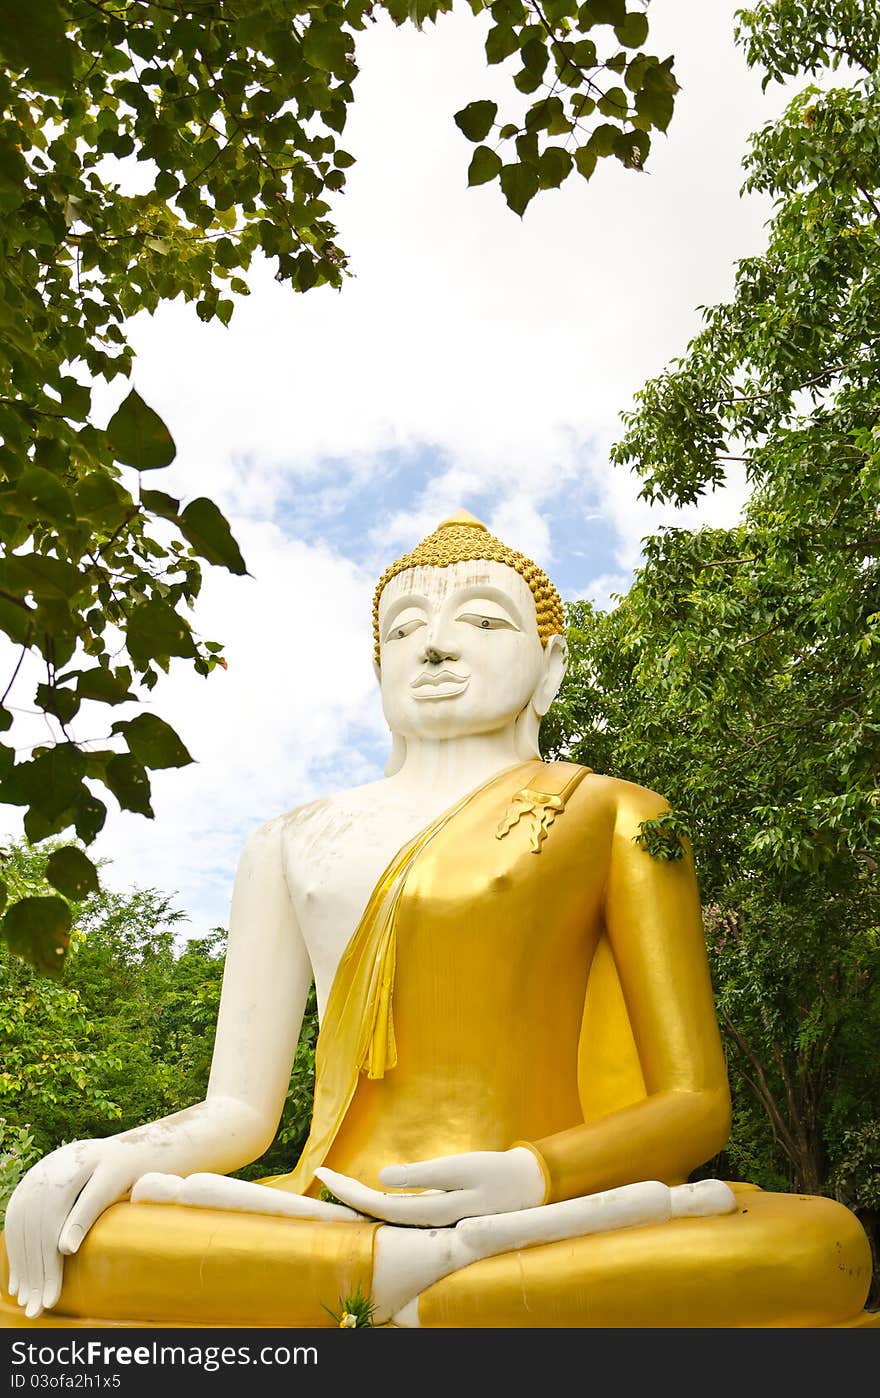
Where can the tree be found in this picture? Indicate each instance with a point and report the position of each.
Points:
(127, 1036)
(124, 1038)
(739, 675)
(238, 105)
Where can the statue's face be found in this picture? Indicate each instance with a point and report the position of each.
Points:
(460, 650)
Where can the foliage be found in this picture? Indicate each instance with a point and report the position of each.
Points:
(17, 1154)
(236, 109)
(739, 675)
(354, 1312)
(127, 1037)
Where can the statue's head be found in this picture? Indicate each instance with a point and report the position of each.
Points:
(469, 639)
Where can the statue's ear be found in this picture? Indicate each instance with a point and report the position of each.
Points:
(552, 674)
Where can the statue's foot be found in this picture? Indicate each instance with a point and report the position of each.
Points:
(412, 1255)
(407, 1260)
(703, 1199)
(407, 1318)
(207, 1191)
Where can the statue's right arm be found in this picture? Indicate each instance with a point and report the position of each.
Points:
(265, 984)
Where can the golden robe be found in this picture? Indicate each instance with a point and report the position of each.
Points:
(527, 974)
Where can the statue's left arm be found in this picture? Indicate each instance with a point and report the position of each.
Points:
(653, 921)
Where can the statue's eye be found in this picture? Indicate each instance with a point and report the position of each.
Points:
(486, 623)
(404, 628)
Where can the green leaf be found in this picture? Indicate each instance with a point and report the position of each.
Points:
(38, 930)
(33, 37)
(4, 895)
(602, 12)
(209, 533)
(501, 41)
(153, 742)
(102, 500)
(476, 119)
(40, 491)
(553, 167)
(76, 399)
(161, 504)
(89, 814)
(155, 632)
(585, 160)
(614, 103)
(48, 782)
(104, 686)
(72, 873)
(632, 147)
(485, 165)
(326, 46)
(129, 783)
(63, 703)
(520, 185)
(634, 30)
(601, 142)
(16, 621)
(139, 437)
(535, 56)
(44, 575)
(527, 147)
(655, 99)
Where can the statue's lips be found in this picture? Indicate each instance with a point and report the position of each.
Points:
(439, 684)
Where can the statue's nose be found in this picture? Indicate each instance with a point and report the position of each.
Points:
(435, 652)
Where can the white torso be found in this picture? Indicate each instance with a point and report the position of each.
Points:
(335, 851)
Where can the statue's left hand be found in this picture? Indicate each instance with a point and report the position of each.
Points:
(479, 1182)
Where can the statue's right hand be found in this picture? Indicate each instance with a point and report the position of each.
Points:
(51, 1210)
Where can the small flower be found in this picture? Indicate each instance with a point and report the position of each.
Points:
(354, 1312)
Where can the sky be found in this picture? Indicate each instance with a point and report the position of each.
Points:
(474, 360)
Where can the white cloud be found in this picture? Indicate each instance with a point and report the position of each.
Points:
(604, 590)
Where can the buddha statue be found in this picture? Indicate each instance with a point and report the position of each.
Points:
(518, 1065)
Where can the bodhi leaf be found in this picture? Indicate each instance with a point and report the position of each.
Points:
(155, 631)
(38, 930)
(153, 742)
(139, 437)
(40, 492)
(161, 504)
(209, 533)
(104, 686)
(129, 783)
(476, 119)
(484, 166)
(520, 184)
(72, 873)
(634, 30)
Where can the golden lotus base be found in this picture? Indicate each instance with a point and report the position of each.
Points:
(777, 1262)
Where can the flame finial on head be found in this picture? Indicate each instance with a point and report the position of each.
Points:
(462, 538)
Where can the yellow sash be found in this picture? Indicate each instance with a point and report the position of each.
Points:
(357, 1030)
